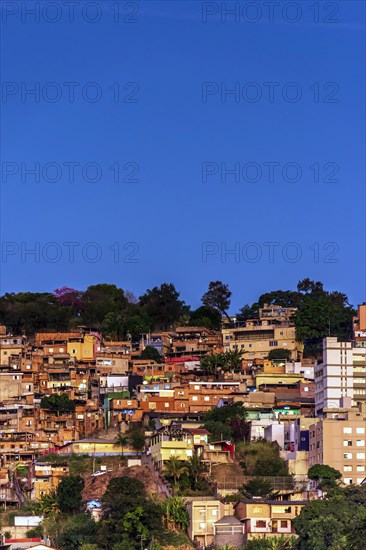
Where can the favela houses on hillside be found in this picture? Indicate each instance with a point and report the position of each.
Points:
(128, 424)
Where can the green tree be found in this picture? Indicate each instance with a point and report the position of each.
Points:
(278, 354)
(320, 314)
(262, 458)
(174, 468)
(151, 353)
(58, 403)
(99, 301)
(258, 487)
(35, 532)
(128, 514)
(247, 312)
(325, 475)
(337, 522)
(175, 513)
(77, 531)
(212, 363)
(196, 470)
(163, 306)
(48, 504)
(121, 441)
(227, 422)
(30, 312)
(69, 494)
(282, 298)
(232, 360)
(136, 437)
(205, 317)
(218, 297)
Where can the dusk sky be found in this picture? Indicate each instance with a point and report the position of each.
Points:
(136, 116)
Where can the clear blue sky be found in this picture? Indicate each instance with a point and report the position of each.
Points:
(178, 203)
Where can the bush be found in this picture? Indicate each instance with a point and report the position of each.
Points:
(35, 532)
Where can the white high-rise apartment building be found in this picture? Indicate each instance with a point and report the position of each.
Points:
(342, 373)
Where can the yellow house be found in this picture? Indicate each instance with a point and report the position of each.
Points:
(274, 379)
(162, 448)
(203, 513)
(273, 329)
(47, 477)
(82, 348)
(10, 345)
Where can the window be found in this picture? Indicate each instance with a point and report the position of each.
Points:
(273, 343)
(207, 398)
(202, 526)
(347, 468)
(360, 468)
(283, 524)
(196, 387)
(360, 431)
(347, 480)
(215, 512)
(202, 511)
(347, 443)
(194, 398)
(51, 350)
(360, 443)
(260, 524)
(166, 405)
(347, 430)
(360, 456)
(347, 455)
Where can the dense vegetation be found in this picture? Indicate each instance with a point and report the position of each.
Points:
(121, 315)
(131, 518)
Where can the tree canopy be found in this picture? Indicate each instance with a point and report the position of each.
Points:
(69, 497)
(218, 297)
(334, 523)
(228, 422)
(119, 315)
(57, 403)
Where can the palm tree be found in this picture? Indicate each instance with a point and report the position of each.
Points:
(121, 441)
(175, 468)
(213, 362)
(196, 468)
(233, 359)
(49, 504)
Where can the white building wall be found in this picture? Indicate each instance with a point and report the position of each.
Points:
(334, 376)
